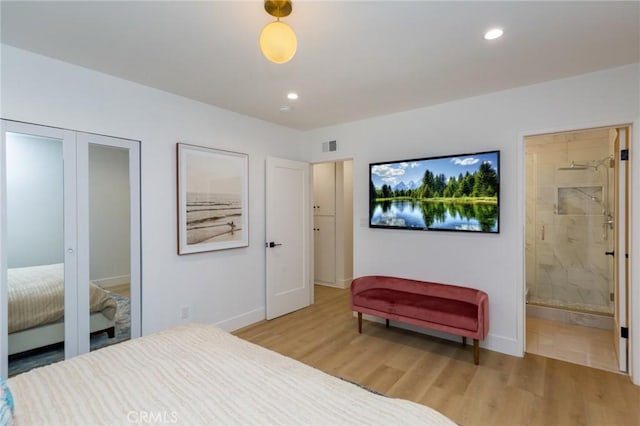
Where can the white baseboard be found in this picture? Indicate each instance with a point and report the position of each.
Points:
(339, 284)
(493, 342)
(112, 281)
(242, 320)
(345, 283)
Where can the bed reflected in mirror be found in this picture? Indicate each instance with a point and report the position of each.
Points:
(36, 249)
(109, 239)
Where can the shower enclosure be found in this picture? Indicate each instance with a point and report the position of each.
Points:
(570, 220)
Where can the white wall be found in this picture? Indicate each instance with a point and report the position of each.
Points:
(220, 287)
(226, 287)
(34, 201)
(493, 263)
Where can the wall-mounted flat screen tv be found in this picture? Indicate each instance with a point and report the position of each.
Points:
(447, 193)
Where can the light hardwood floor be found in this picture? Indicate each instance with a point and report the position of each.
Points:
(502, 390)
(122, 289)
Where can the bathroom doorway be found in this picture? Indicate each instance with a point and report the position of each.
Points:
(576, 244)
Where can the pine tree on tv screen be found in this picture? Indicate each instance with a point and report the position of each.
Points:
(449, 193)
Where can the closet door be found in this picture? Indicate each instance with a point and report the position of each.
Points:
(69, 244)
(325, 249)
(324, 189)
(109, 240)
(38, 252)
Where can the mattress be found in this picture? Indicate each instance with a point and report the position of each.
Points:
(199, 374)
(36, 297)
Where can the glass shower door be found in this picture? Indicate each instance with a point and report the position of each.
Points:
(570, 226)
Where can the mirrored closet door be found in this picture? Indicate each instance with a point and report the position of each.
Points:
(70, 214)
(38, 271)
(109, 255)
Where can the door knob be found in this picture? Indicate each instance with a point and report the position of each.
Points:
(271, 244)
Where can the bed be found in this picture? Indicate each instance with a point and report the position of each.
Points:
(199, 374)
(36, 307)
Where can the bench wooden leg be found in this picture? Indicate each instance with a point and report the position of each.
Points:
(387, 321)
(464, 341)
(360, 322)
(476, 352)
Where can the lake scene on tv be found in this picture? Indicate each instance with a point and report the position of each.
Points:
(452, 193)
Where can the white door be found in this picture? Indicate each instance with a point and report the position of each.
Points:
(324, 189)
(324, 252)
(621, 249)
(288, 236)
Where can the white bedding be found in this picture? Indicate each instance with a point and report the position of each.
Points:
(199, 374)
(36, 297)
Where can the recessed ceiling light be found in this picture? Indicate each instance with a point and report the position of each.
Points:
(493, 34)
(292, 96)
(285, 108)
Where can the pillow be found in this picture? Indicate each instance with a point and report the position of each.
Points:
(6, 404)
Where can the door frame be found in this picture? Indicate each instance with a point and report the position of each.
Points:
(621, 247)
(633, 295)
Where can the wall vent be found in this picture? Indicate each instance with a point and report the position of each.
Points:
(329, 146)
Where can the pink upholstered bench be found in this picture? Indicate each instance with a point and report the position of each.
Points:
(462, 311)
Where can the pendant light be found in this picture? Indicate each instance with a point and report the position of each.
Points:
(278, 42)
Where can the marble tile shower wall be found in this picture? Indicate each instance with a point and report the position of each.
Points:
(565, 211)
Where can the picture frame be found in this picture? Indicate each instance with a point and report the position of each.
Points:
(213, 195)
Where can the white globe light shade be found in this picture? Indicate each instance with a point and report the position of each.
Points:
(493, 34)
(278, 42)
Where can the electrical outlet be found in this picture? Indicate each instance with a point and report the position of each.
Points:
(184, 312)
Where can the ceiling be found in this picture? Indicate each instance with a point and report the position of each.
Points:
(355, 59)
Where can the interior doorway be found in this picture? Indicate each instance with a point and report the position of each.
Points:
(576, 241)
(333, 223)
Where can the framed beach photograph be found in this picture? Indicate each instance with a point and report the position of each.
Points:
(213, 187)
